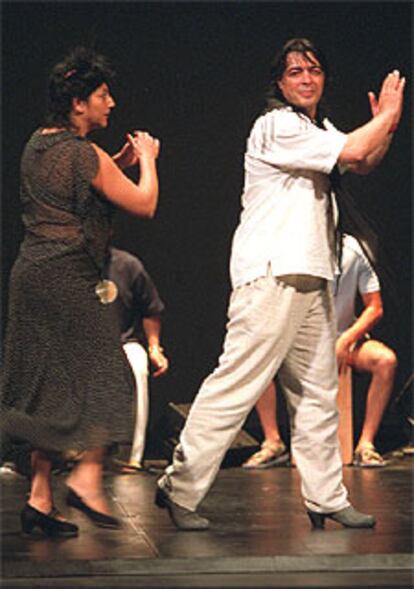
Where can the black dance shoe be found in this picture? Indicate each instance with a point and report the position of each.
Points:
(100, 519)
(348, 517)
(183, 518)
(54, 528)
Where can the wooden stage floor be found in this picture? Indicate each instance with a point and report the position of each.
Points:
(260, 536)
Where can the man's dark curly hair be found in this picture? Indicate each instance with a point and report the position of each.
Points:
(77, 76)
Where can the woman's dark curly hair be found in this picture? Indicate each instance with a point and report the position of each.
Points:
(77, 76)
(274, 95)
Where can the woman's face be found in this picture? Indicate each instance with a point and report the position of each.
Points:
(98, 107)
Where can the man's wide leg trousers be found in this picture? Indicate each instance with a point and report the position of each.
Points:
(285, 324)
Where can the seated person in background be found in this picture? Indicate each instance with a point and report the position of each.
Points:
(139, 308)
(354, 348)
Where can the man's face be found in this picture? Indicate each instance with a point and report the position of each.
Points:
(303, 81)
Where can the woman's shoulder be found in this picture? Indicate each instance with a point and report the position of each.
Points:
(69, 150)
(43, 138)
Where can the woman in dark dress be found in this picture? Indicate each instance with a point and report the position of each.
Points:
(65, 374)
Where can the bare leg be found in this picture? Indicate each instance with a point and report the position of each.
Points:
(381, 362)
(86, 480)
(267, 412)
(41, 491)
(39, 510)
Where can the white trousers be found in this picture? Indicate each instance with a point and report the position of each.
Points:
(138, 359)
(276, 325)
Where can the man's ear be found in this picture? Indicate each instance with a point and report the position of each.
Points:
(78, 106)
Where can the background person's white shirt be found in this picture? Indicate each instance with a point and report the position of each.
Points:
(284, 220)
(358, 276)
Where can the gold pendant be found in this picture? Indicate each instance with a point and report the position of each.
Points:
(106, 291)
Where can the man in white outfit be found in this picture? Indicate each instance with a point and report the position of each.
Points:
(355, 348)
(281, 316)
(139, 308)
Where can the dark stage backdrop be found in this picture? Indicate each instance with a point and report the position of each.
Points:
(194, 75)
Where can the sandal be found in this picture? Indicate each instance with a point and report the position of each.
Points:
(367, 456)
(131, 467)
(270, 454)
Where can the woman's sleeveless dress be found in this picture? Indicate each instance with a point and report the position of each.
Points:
(66, 381)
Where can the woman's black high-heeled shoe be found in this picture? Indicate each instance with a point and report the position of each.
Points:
(349, 517)
(100, 519)
(55, 528)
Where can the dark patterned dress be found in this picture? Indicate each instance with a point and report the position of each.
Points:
(66, 381)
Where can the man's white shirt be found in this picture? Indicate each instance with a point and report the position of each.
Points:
(284, 221)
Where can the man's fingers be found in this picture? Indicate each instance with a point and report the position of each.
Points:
(391, 80)
(373, 103)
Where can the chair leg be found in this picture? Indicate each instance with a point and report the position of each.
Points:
(346, 428)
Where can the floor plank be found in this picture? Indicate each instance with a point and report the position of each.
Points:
(260, 536)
